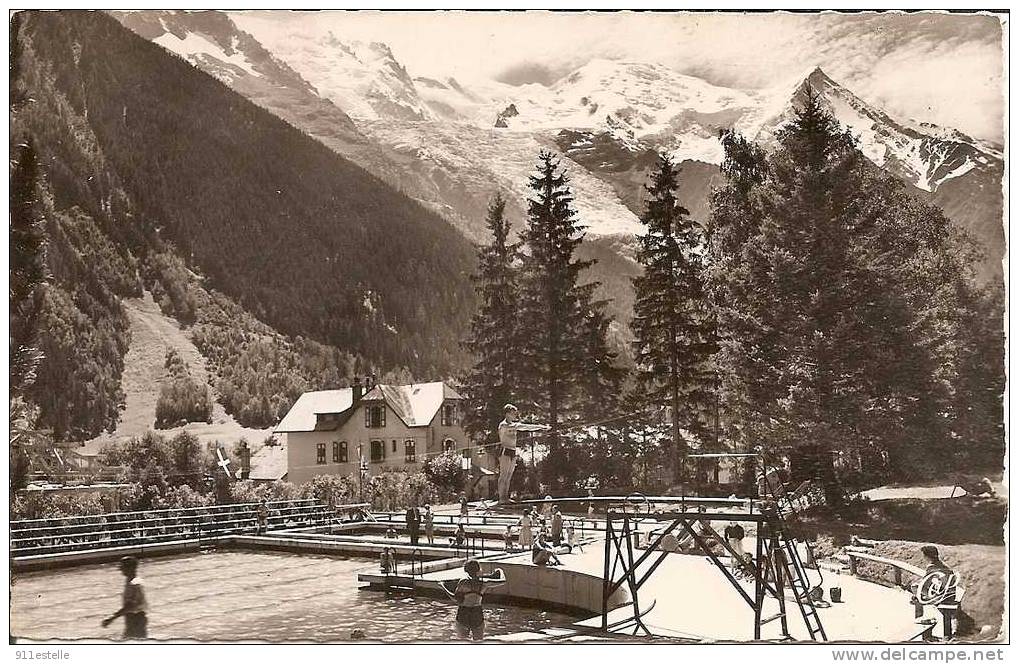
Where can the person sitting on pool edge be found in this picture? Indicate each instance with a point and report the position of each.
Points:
(469, 594)
(542, 554)
(460, 539)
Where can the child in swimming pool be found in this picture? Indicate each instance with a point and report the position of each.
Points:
(469, 593)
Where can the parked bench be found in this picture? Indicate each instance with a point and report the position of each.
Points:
(949, 610)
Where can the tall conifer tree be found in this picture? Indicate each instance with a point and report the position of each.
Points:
(27, 268)
(738, 315)
(671, 327)
(563, 328)
(495, 329)
(843, 307)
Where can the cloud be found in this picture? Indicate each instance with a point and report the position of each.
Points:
(532, 72)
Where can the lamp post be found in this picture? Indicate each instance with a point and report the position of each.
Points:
(465, 465)
(362, 471)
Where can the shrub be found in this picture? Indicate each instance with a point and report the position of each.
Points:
(331, 489)
(395, 490)
(39, 505)
(182, 398)
(446, 474)
(184, 496)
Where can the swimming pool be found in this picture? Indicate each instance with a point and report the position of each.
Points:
(245, 596)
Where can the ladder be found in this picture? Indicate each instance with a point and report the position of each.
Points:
(782, 550)
(781, 547)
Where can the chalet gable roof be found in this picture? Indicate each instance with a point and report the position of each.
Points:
(303, 415)
(415, 405)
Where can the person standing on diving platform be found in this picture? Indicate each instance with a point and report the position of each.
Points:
(508, 429)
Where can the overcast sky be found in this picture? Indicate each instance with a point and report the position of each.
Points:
(941, 68)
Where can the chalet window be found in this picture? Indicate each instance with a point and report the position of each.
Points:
(342, 452)
(375, 416)
(409, 451)
(378, 451)
(320, 453)
(448, 445)
(448, 414)
(394, 447)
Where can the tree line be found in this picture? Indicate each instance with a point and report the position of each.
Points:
(821, 309)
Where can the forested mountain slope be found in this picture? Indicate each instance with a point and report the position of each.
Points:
(153, 174)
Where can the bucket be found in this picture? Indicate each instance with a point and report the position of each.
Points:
(836, 594)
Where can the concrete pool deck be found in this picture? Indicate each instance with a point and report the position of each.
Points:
(693, 600)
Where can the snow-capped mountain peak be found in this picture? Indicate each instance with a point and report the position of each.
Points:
(363, 78)
(212, 42)
(924, 155)
(452, 142)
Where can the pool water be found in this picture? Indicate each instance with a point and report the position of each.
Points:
(245, 596)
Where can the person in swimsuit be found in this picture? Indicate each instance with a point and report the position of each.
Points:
(469, 594)
(263, 517)
(133, 607)
(508, 429)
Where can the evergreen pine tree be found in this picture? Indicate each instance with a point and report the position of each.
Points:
(673, 340)
(27, 267)
(494, 339)
(842, 306)
(565, 352)
(738, 313)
